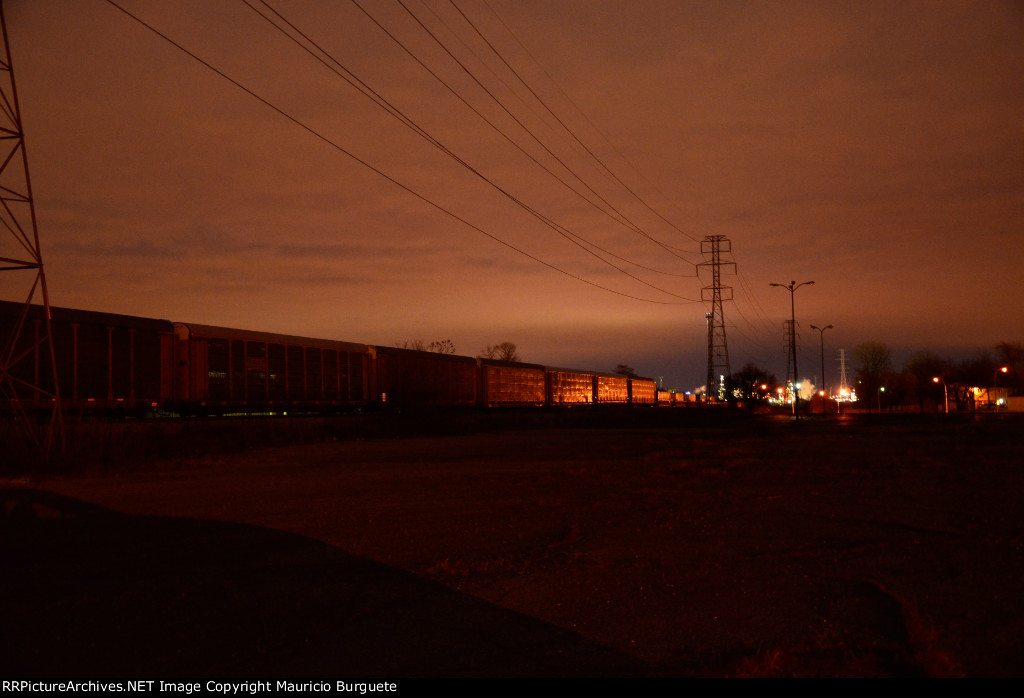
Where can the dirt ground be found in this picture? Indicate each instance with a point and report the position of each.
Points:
(746, 546)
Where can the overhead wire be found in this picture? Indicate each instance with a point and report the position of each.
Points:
(384, 103)
(755, 304)
(408, 189)
(486, 65)
(749, 293)
(573, 237)
(625, 219)
(573, 137)
(564, 94)
(376, 97)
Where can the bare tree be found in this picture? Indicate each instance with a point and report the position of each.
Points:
(442, 346)
(506, 351)
(924, 367)
(872, 360)
(625, 370)
(749, 380)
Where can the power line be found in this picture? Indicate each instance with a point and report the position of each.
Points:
(568, 130)
(374, 169)
(601, 162)
(623, 218)
(573, 237)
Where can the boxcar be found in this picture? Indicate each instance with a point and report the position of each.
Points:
(504, 383)
(564, 386)
(104, 361)
(643, 391)
(407, 377)
(220, 367)
(611, 389)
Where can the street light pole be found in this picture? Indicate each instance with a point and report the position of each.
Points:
(821, 330)
(945, 393)
(995, 385)
(793, 286)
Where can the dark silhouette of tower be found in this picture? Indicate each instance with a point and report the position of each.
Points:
(28, 367)
(712, 247)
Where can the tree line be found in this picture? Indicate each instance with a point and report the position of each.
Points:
(929, 378)
(505, 351)
(925, 378)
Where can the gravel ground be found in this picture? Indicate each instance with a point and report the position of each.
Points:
(740, 547)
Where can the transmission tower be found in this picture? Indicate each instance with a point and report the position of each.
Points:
(844, 389)
(712, 248)
(28, 367)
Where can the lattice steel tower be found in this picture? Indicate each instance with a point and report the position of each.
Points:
(844, 389)
(712, 247)
(28, 367)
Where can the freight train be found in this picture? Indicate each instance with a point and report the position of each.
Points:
(119, 362)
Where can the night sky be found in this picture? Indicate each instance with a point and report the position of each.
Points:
(876, 148)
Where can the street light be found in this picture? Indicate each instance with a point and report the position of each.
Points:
(945, 394)
(821, 331)
(793, 286)
(995, 384)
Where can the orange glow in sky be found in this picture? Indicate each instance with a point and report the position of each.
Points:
(874, 147)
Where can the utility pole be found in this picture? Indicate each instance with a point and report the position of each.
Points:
(712, 248)
(789, 337)
(821, 331)
(792, 287)
(28, 367)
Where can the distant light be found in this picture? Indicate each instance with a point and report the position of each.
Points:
(935, 380)
(821, 392)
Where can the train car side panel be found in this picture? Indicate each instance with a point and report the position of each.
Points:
(408, 378)
(642, 391)
(612, 390)
(240, 368)
(569, 387)
(504, 383)
(103, 360)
